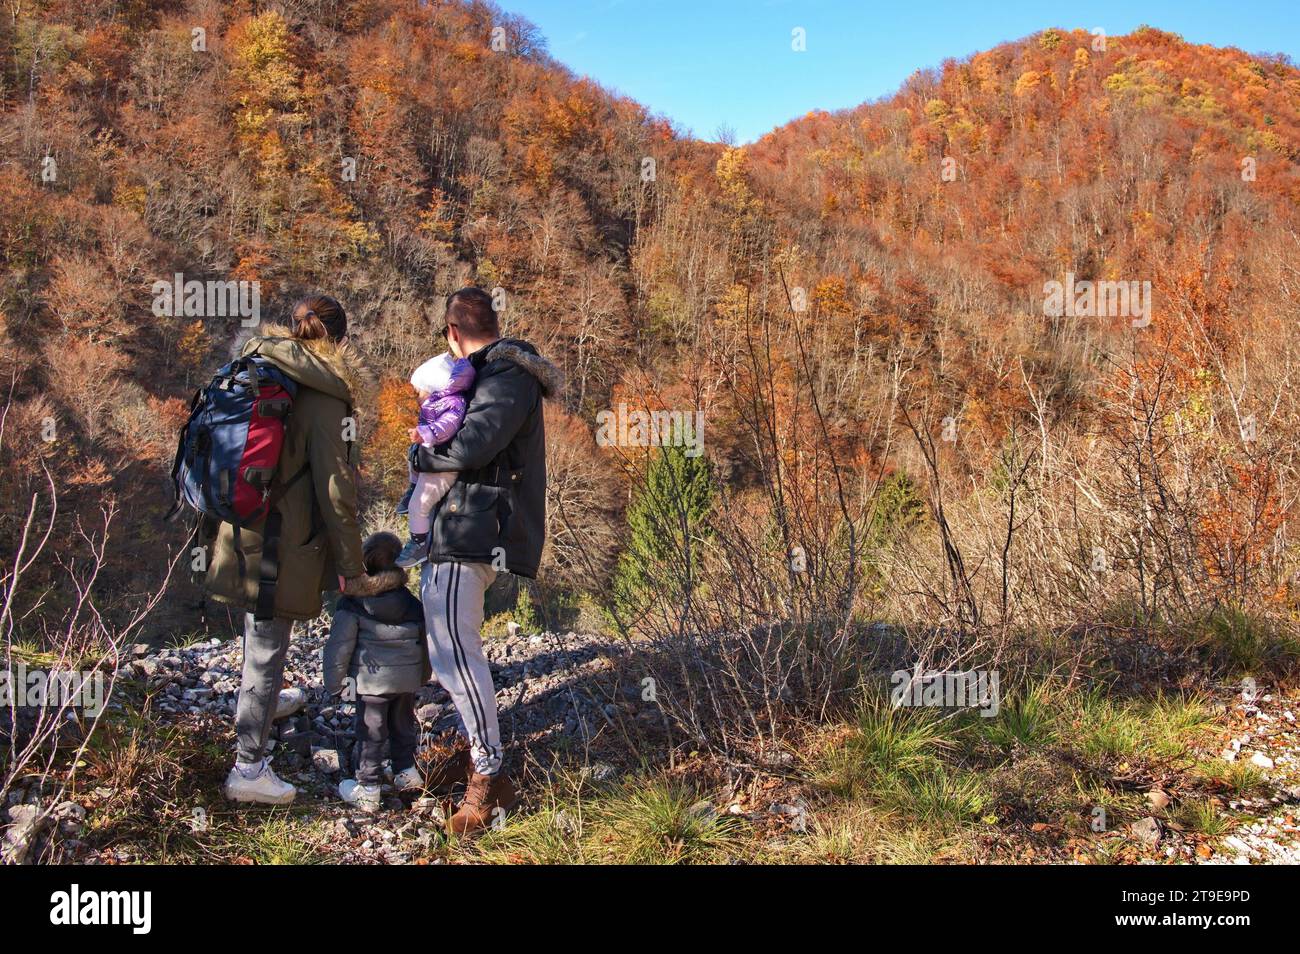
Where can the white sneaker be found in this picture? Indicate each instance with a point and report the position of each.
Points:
(409, 780)
(265, 788)
(365, 797)
(289, 702)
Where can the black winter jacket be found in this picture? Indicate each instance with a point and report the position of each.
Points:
(496, 511)
(378, 641)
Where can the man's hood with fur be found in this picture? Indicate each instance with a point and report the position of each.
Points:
(523, 354)
(331, 367)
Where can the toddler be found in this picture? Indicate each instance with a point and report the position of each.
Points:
(375, 656)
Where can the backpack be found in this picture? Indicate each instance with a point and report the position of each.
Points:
(227, 456)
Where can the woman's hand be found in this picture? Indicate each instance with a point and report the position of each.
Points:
(414, 435)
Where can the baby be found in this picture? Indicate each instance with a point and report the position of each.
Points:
(441, 383)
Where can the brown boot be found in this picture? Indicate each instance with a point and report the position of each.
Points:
(487, 799)
(451, 769)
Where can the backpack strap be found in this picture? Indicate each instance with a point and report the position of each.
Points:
(269, 571)
(268, 577)
(239, 550)
(352, 443)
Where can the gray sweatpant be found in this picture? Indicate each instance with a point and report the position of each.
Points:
(266, 644)
(452, 594)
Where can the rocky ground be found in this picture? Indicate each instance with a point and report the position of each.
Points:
(554, 690)
(558, 687)
(548, 684)
(1263, 732)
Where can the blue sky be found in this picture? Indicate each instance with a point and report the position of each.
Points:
(706, 64)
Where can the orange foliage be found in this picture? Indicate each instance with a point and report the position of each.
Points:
(385, 454)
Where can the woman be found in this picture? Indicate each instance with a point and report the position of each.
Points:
(319, 541)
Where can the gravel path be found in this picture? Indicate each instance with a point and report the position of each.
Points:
(547, 683)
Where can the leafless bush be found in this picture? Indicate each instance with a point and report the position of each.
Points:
(44, 742)
(580, 548)
(1164, 504)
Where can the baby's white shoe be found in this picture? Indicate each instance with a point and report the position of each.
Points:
(408, 780)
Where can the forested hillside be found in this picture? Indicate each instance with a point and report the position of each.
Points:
(387, 153)
(379, 152)
(898, 423)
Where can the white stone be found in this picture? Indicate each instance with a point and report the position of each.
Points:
(1237, 845)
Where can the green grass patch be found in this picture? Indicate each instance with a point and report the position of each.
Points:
(1204, 816)
(642, 821)
(663, 824)
(1238, 777)
(1120, 807)
(1163, 727)
(1244, 644)
(902, 760)
(1027, 718)
(887, 744)
(272, 837)
(941, 797)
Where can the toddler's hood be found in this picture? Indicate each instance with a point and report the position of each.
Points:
(392, 604)
(445, 374)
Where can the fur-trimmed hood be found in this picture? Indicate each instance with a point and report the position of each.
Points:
(391, 579)
(332, 367)
(390, 601)
(550, 377)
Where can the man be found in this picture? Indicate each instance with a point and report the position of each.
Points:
(493, 518)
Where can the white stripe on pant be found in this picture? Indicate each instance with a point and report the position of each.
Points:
(452, 594)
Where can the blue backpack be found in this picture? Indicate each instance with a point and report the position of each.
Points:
(227, 457)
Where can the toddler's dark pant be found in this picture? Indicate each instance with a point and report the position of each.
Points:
(380, 719)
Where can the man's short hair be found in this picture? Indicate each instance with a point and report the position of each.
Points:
(471, 309)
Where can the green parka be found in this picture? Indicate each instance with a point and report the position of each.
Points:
(320, 537)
